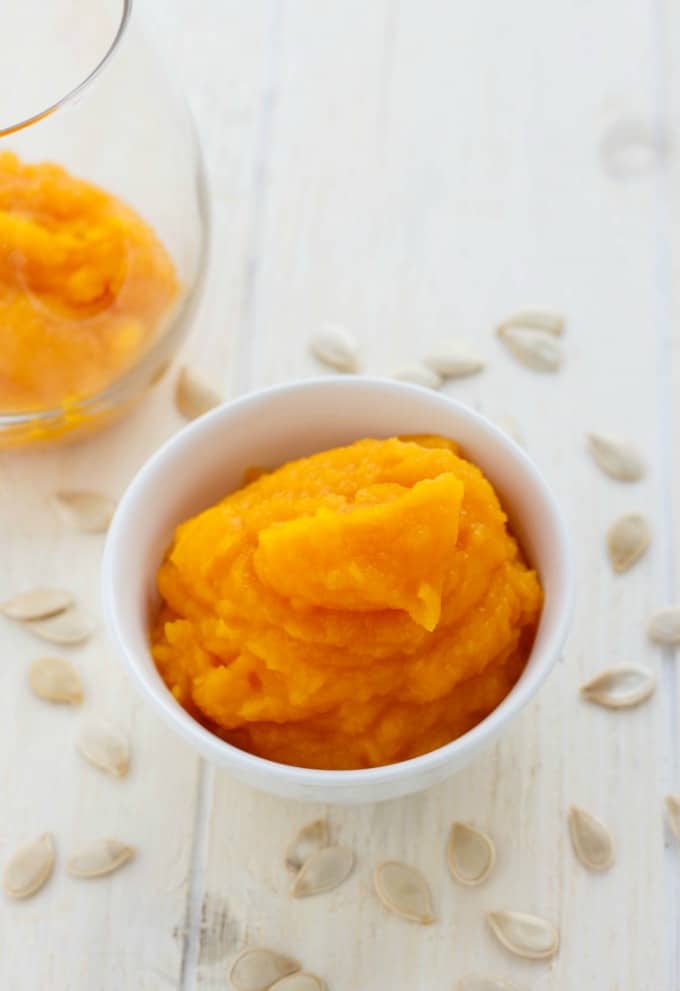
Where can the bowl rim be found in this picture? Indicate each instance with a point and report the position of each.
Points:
(226, 754)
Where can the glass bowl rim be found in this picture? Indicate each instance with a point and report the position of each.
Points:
(71, 95)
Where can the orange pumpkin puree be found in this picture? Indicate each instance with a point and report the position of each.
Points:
(350, 609)
(84, 283)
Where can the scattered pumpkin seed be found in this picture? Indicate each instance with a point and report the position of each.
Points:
(158, 373)
(535, 349)
(419, 375)
(193, 397)
(334, 346)
(324, 870)
(29, 867)
(88, 511)
(633, 147)
(302, 981)
(310, 838)
(627, 540)
(454, 361)
(673, 812)
(403, 890)
(470, 854)
(616, 457)
(536, 318)
(256, 969)
(38, 603)
(524, 935)
(664, 626)
(71, 626)
(620, 687)
(98, 858)
(104, 747)
(480, 982)
(56, 680)
(591, 840)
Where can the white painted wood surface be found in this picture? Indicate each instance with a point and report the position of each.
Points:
(414, 169)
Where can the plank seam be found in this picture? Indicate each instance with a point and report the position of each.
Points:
(261, 162)
(670, 770)
(194, 910)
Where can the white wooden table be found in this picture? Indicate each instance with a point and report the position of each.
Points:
(414, 169)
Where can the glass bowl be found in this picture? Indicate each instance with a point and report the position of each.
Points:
(103, 218)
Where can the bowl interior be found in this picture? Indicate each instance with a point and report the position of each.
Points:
(208, 459)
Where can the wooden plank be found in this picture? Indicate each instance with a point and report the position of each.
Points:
(132, 930)
(431, 168)
(667, 25)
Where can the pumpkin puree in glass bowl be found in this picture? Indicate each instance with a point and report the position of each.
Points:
(84, 284)
(350, 609)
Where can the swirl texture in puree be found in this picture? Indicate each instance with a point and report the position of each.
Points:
(84, 286)
(350, 609)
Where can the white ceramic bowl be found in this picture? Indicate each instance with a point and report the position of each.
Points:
(207, 460)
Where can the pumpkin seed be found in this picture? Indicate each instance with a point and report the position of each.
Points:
(29, 867)
(616, 457)
(454, 361)
(324, 870)
(536, 318)
(664, 626)
(470, 854)
(193, 397)
(524, 935)
(479, 982)
(104, 747)
(336, 347)
(535, 349)
(591, 840)
(302, 981)
(419, 375)
(309, 838)
(99, 858)
(38, 603)
(56, 680)
(620, 687)
(88, 511)
(158, 373)
(632, 147)
(403, 890)
(256, 969)
(69, 627)
(627, 540)
(673, 812)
